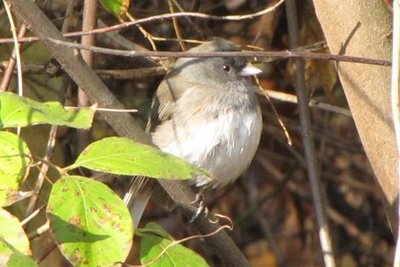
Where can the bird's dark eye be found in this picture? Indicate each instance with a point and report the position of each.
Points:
(226, 68)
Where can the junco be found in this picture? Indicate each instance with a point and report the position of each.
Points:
(206, 111)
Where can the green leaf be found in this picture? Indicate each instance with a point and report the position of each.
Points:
(89, 221)
(17, 111)
(14, 244)
(116, 7)
(154, 229)
(15, 158)
(123, 156)
(153, 245)
(18, 259)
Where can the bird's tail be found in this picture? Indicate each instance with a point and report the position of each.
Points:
(138, 196)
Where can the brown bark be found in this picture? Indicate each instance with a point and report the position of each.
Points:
(363, 28)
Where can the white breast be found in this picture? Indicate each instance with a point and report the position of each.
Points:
(224, 145)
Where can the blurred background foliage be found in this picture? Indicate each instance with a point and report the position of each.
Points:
(271, 203)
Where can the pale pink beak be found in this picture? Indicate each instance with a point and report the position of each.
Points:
(250, 70)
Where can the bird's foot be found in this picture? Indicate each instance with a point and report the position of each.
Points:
(201, 208)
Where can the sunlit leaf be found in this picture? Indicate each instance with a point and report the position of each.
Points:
(175, 255)
(14, 161)
(17, 111)
(14, 244)
(89, 221)
(125, 157)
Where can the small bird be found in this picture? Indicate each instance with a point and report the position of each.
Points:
(206, 112)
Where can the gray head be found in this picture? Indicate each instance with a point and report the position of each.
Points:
(217, 70)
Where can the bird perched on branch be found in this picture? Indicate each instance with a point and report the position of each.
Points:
(206, 112)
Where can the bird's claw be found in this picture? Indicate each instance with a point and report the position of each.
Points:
(201, 208)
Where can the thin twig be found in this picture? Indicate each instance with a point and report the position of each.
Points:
(285, 97)
(11, 62)
(39, 231)
(120, 40)
(32, 215)
(43, 171)
(188, 20)
(260, 55)
(15, 55)
(68, 15)
(128, 74)
(285, 131)
(89, 20)
(176, 26)
(123, 42)
(145, 33)
(308, 142)
(116, 110)
(177, 242)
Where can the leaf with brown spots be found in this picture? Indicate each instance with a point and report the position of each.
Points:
(89, 221)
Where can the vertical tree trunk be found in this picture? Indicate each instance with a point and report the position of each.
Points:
(363, 28)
